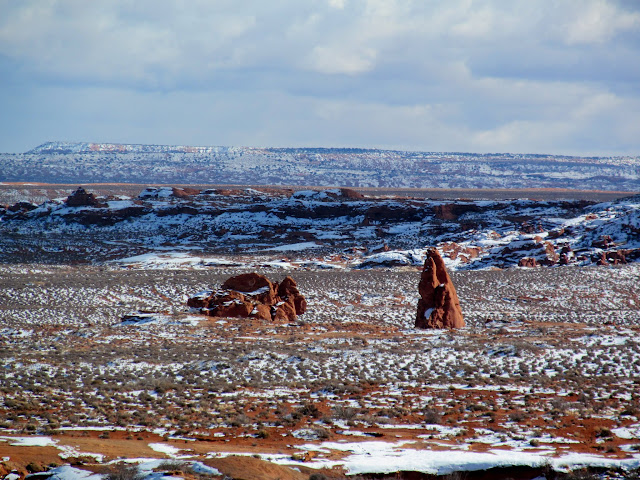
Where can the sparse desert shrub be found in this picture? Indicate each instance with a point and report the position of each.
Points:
(308, 410)
(603, 432)
(582, 474)
(34, 467)
(432, 417)
(517, 416)
(476, 407)
(559, 404)
(173, 466)
(630, 410)
(317, 476)
(321, 433)
(341, 412)
(122, 471)
(240, 421)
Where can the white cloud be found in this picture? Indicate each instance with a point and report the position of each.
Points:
(336, 59)
(339, 4)
(598, 22)
(590, 122)
(522, 76)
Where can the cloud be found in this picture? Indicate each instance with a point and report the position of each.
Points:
(336, 59)
(550, 75)
(599, 22)
(339, 4)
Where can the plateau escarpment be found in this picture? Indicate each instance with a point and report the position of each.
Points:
(64, 162)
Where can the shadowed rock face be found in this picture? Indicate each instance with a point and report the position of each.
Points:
(438, 306)
(81, 198)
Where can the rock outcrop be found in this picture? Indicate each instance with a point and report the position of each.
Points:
(616, 257)
(20, 210)
(81, 198)
(528, 262)
(252, 295)
(438, 306)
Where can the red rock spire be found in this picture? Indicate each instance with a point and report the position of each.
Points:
(438, 306)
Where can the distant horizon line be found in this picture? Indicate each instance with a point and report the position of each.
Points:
(39, 149)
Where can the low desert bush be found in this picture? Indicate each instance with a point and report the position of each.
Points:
(432, 417)
(122, 471)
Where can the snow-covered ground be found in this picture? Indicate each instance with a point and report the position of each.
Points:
(545, 370)
(100, 341)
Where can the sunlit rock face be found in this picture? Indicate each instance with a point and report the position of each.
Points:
(438, 306)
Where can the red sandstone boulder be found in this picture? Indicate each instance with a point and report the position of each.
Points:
(455, 251)
(350, 194)
(236, 308)
(263, 312)
(605, 242)
(299, 304)
(20, 209)
(551, 254)
(288, 291)
(247, 282)
(252, 295)
(566, 255)
(184, 192)
(528, 262)
(451, 211)
(288, 287)
(438, 306)
(617, 257)
(254, 285)
(284, 311)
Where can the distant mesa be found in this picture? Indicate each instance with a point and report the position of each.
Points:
(303, 167)
(438, 306)
(252, 295)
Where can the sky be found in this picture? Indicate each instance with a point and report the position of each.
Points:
(520, 76)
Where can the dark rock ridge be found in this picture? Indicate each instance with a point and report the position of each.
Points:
(252, 295)
(438, 306)
(384, 231)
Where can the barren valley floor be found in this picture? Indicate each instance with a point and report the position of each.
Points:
(544, 376)
(11, 192)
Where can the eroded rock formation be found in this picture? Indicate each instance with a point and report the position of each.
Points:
(616, 257)
(528, 262)
(81, 198)
(252, 295)
(438, 306)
